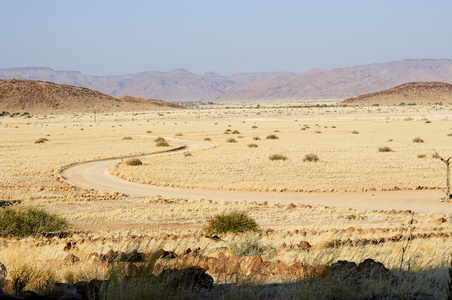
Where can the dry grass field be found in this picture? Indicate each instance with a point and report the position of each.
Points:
(345, 139)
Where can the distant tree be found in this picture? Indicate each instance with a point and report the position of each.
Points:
(447, 162)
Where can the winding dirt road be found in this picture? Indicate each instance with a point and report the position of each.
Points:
(95, 175)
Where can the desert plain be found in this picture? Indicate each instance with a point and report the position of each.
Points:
(361, 150)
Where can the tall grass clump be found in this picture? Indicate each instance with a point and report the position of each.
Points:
(385, 149)
(29, 222)
(277, 157)
(41, 141)
(161, 142)
(232, 222)
(311, 157)
(134, 162)
(272, 137)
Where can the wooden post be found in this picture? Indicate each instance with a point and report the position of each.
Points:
(447, 162)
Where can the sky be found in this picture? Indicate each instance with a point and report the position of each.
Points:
(108, 37)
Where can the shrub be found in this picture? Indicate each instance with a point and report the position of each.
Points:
(149, 131)
(179, 134)
(134, 162)
(421, 156)
(254, 127)
(277, 157)
(29, 222)
(187, 154)
(207, 139)
(385, 149)
(236, 132)
(252, 146)
(127, 138)
(311, 157)
(256, 138)
(41, 140)
(231, 140)
(418, 140)
(232, 222)
(317, 131)
(272, 137)
(449, 134)
(161, 143)
(355, 132)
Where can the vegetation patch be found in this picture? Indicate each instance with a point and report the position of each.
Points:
(231, 222)
(231, 140)
(277, 157)
(418, 140)
(29, 222)
(311, 157)
(41, 141)
(385, 149)
(272, 137)
(252, 146)
(134, 162)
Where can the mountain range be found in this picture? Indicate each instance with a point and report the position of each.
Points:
(180, 85)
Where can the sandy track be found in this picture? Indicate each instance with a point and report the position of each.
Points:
(95, 175)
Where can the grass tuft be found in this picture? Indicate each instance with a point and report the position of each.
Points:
(29, 222)
(232, 222)
(277, 157)
(311, 157)
(134, 162)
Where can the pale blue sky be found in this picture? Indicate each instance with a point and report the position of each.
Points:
(107, 37)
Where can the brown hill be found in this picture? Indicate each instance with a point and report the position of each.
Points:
(47, 97)
(412, 92)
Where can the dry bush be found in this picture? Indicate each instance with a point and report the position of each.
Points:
(231, 222)
(418, 140)
(272, 137)
(161, 143)
(252, 146)
(30, 222)
(311, 158)
(187, 154)
(41, 140)
(385, 149)
(421, 156)
(231, 140)
(236, 132)
(134, 162)
(127, 138)
(277, 157)
(179, 134)
(254, 127)
(207, 139)
(355, 132)
(256, 138)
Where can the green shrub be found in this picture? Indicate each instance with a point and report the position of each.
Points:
(232, 222)
(41, 140)
(231, 140)
(134, 162)
(311, 157)
(29, 222)
(277, 157)
(385, 149)
(272, 137)
(418, 140)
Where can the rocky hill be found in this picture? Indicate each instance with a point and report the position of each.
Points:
(47, 97)
(181, 85)
(408, 93)
(342, 83)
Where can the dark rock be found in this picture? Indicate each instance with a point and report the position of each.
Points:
(188, 278)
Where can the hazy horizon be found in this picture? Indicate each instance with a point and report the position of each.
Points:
(225, 37)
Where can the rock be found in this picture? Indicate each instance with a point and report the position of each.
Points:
(442, 220)
(166, 254)
(71, 259)
(251, 264)
(68, 246)
(304, 245)
(189, 278)
(373, 270)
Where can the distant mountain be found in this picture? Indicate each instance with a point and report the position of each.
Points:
(342, 83)
(35, 97)
(175, 85)
(408, 93)
(181, 85)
